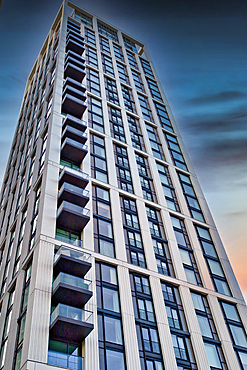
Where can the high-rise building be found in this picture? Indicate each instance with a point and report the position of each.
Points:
(110, 258)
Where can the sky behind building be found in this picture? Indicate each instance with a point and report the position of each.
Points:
(199, 51)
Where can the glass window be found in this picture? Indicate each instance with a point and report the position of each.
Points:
(113, 331)
(239, 336)
(212, 355)
(110, 300)
(114, 360)
(109, 274)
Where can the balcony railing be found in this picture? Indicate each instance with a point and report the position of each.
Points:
(72, 253)
(71, 280)
(71, 313)
(65, 360)
(65, 239)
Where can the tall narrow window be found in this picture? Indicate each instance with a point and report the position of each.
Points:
(107, 65)
(236, 331)
(103, 232)
(95, 114)
(43, 152)
(135, 133)
(7, 262)
(128, 99)
(137, 81)
(168, 189)
(187, 255)
(111, 91)
(110, 337)
(6, 328)
(98, 158)
(154, 142)
(146, 68)
(160, 244)
(123, 169)
(210, 337)
(163, 117)
(22, 318)
(178, 328)
(146, 111)
(90, 37)
(118, 52)
(146, 327)
(153, 87)
(191, 198)
(116, 122)
(104, 45)
(145, 178)
(131, 59)
(20, 242)
(122, 72)
(35, 217)
(132, 232)
(107, 31)
(175, 151)
(216, 272)
(93, 84)
(91, 57)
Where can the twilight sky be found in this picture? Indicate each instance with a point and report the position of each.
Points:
(199, 50)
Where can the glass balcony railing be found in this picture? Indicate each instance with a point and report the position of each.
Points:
(73, 313)
(65, 360)
(75, 143)
(79, 255)
(69, 240)
(73, 208)
(74, 189)
(71, 280)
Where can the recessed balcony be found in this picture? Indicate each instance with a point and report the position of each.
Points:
(71, 290)
(70, 323)
(71, 261)
(74, 177)
(72, 217)
(75, 46)
(73, 150)
(65, 360)
(72, 105)
(73, 194)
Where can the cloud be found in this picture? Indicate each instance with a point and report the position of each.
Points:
(221, 97)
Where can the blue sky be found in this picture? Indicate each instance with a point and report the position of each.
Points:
(199, 51)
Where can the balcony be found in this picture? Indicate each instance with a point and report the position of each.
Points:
(72, 217)
(74, 44)
(73, 176)
(72, 262)
(73, 151)
(66, 360)
(69, 240)
(75, 122)
(75, 35)
(74, 71)
(70, 323)
(74, 91)
(71, 290)
(73, 106)
(75, 56)
(75, 84)
(74, 134)
(73, 194)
